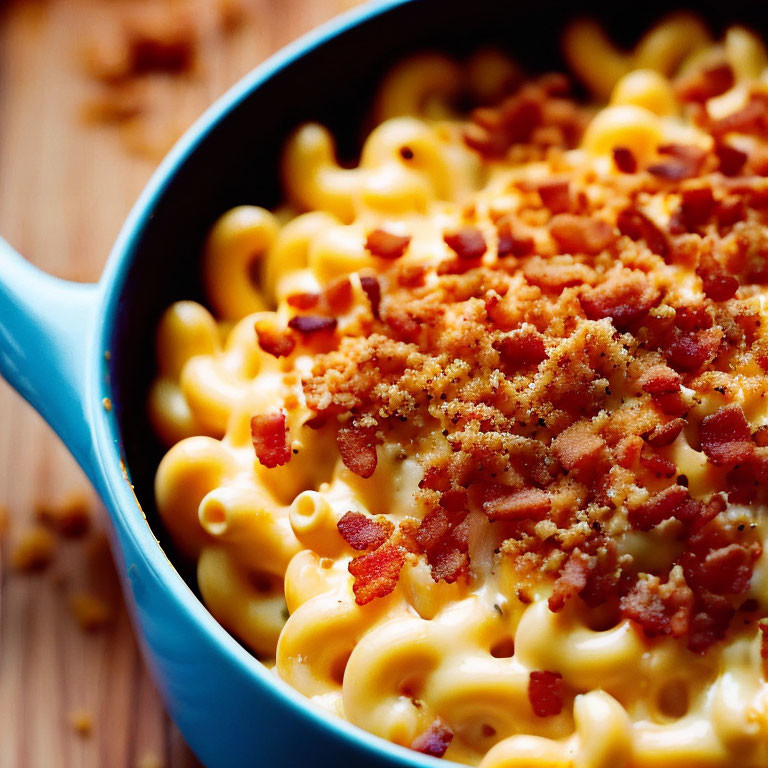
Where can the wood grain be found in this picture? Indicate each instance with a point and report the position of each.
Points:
(65, 188)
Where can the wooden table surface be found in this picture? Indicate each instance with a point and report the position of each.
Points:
(65, 188)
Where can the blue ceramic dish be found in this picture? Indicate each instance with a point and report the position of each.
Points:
(65, 347)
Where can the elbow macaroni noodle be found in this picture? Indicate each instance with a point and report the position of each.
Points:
(272, 567)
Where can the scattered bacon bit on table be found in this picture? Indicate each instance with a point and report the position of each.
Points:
(269, 436)
(545, 692)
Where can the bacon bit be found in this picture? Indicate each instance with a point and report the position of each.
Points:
(372, 290)
(362, 532)
(690, 352)
(412, 275)
(494, 130)
(357, 446)
(637, 226)
(644, 605)
(697, 205)
(625, 160)
(659, 507)
(272, 341)
(512, 244)
(686, 162)
(308, 324)
(435, 740)
(659, 465)
(623, 297)
(522, 348)
(386, 245)
(269, 436)
(444, 535)
(572, 579)
(377, 573)
(730, 210)
(580, 234)
(705, 83)
(525, 504)
(555, 195)
(688, 318)
(673, 405)
(726, 570)
(718, 285)
(578, 447)
(449, 560)
(545, 692)
(303, 301)
(435, 479)
(732, 160)
(725, 436)
(468, 242)
(628, 450)
(401, 325)
(665, 434)
(710, 622)
(553, 274)
(316, 422)
(338, 295)
(659, 380)
(751, 119)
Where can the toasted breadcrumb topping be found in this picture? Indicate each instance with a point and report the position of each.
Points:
(551, 371)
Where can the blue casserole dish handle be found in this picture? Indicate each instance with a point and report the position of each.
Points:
(46, 335)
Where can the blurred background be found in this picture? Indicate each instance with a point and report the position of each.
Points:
(92, 95)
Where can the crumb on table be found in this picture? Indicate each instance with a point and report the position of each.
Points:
(70, 518)
(149, 760)
(90, 611)
(82, 722)
(34, 550)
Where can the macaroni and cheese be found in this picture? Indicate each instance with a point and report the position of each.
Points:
(479, 459)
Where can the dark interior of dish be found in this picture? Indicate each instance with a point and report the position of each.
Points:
(237, 162)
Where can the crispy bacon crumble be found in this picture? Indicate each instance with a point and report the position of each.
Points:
(269, 436)
(545, 370)
(545, 692)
